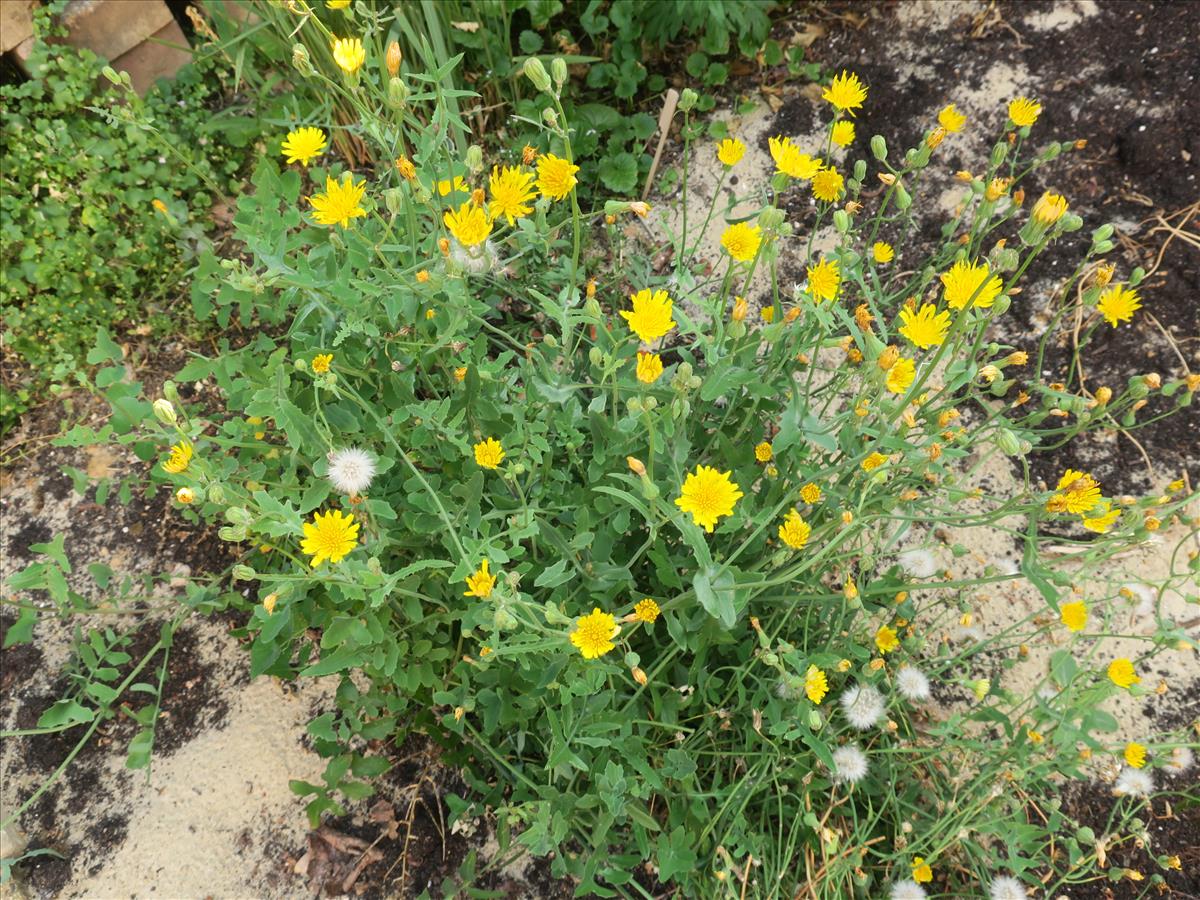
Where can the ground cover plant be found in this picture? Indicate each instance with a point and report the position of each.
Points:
(643, 558)
(104, 204)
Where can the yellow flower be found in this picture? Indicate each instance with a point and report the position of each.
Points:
(470, 225)
(556, 177)
(303, 145)
(489, 453)
(1122, 674)
(649, 367)
(449, 186)
(181, 456)
(1074, 615)
(160, 206)
(810, 493)
(650, 317)
(824, 279)
(185, 496)
(594, 633)
(741, 241)
(883, 252)
(921, 872)
(708, 494)
(330, 536)
(874, 461)
(965, 281)
(794, 531)
(406, 168)
(460, 373)
(1135, 754)
(339, 204)
(901, 375)
(790, 161)
(951, 119)
(337, 4)
(1102, 517)
(1024, 112)
(762, 452)
(768, 314)
(886, 639)
(1118, 304)
(321, 363)
(1049, 209)
(740, 307)
(480, 583)
(349, 54)
(1077, 492)
(730, 152)
(511, 190)
(846, 92)
(843, 133)
(646, 610)
(828, 185)
(816, 685)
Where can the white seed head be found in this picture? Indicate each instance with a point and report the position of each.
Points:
(863, 706)
(907, 890)
(912, 683)
(918, 563)
(351, 470)
(1134, 783)
(1182, 759)
(1005, 888)
(850, 764)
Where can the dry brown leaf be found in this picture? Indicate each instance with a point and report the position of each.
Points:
(812, 31)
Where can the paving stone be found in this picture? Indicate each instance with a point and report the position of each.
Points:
(16, 23)
(110, 28)
(150, 60)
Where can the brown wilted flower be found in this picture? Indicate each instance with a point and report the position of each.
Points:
(863, 317)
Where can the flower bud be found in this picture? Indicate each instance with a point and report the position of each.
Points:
(999, 152)
(636, 466)
(638, 675)
(903, 200)
(300, 61)
(550, 117)
(1052, 151)
(164, 411)
(243, 573)
(1136, 276)
(397, 93)
(170, 391)
(474, 158)
(687, 99)
(185, 496)
(860, 170)
(1152, 381)
(558, 67)
(393, 58)
(879, 147)
(888, 357)
(770, 218)
(393, 199)
(596, 356)
(740, 307)
(592, 307)
(1103, 395)
(536, 73)
(1008, 442)
(841, 220)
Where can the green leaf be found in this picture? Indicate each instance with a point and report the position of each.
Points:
(65, 712)
(21, 631)
(56, 550)
(675, 854)
(555, 575)
(715, 593)
(619, 173)
(105, 350)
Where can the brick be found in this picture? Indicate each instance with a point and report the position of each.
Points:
(110, 28)
(16, 23)
(150, 60)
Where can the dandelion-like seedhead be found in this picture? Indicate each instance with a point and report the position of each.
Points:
(907, 890)
(351, 470)
(912, 684)
(1134, 783)
(850, 764)
(1006, 888)
(862, 705)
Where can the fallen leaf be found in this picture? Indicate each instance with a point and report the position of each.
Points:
(812, 31)
(469, 27)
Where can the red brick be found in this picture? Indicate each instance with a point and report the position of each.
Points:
(151, 60)
(110, 28)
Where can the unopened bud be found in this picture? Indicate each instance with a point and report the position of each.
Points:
(397, 93)
(638, 675)
(164, 411)
(558, 68)
(393, 58)
(474, 158)
(300, 61)
(888, 357)
(536, 73)
(687, 99)
(185, 496)
(879, 147)
(636, 466)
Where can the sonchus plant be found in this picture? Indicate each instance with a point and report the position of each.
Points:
(651, 557)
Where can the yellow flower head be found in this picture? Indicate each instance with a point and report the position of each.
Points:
(824, 279)
(763, 452)
(966, 280)
(1135, 754)
(828, 185)
(1101, 518)
(180, 458)
(708, 495)
(741, 306)
(810, 493)
(846, 92)
(594, 634)
(1024, 112)
(741, 241)
(730, 152)
(489, 454)
(1049, 209)
(303, 145)
(816, 685)
(349, 54)
(321, 363)
(790, 161)
(470, 225)
(1118, 304)
(921, 872)
(406, 168)
(646, 610)
(1074, 615)
(329, 536)
(843, 133)
(556, 177)
(650, 317)
(951, 119)
(1122, 674)
(511, 190)
(926, 327)
(886, 639)
(768, 314)
(339, 204)
(901, 375)
(337, 4)
(480, 582)
(882, 252)
(649, 367)
(448, 186)
(794, 531)
(1077, 492)
(874, 461)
